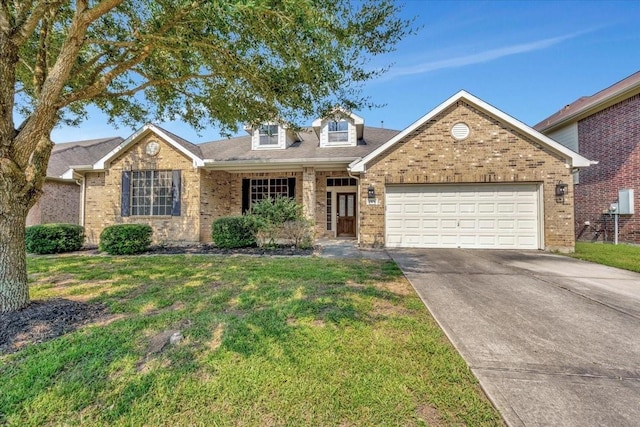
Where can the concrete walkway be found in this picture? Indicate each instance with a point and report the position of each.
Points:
(348, 248)
(553, 341)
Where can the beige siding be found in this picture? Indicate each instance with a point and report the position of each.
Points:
(567, 136)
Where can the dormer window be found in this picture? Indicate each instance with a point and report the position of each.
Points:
(338, 131)
(268, 135)
(340, 128)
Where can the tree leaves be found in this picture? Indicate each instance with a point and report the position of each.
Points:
(216, 62)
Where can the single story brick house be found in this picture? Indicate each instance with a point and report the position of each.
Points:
(464, 175)
(604, 127)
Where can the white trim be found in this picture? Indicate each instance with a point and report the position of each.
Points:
(574, 159)
(320, 124)
(541, 208)
(104, 161)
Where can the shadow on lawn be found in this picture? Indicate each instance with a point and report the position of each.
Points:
(238, 309)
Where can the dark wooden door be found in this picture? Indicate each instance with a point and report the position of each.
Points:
(346, 214)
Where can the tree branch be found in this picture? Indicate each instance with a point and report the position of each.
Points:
(158, 82)
(26, 28)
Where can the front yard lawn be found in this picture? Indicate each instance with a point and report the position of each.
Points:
(620, 256)
(265, 341)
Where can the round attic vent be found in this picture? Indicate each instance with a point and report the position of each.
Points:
(460, 131)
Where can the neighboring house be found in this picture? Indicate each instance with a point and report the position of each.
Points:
(604, 127)
(464, 175)
(60, 201)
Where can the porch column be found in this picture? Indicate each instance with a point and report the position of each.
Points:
(309, 193)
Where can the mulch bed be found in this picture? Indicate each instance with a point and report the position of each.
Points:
(214, 250)
(44, 320)
(206, 249)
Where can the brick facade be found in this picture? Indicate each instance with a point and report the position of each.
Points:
(59, 203)
(612, 137)
(103, 195)
(221, 195)
(493, 153)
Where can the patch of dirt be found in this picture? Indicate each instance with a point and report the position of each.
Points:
(42, 321)
(430, 415)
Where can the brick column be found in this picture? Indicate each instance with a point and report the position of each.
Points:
(309, 193)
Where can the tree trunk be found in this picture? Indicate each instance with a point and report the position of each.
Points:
(14, 289)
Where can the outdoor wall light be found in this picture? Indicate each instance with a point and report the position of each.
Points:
(371, 193)
(561, 191)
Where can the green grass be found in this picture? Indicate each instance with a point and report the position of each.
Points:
(267, 341)
(620, 256)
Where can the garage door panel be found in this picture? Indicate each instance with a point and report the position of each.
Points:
(430, 208)
(506, 208)
(449, 224)
(526, 208)
(486, 208)
(474, 216)
(468, 224)
(486, 224)
(449, 208)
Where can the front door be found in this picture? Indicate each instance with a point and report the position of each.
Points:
(346, 214)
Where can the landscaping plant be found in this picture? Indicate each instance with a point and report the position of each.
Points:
(54, 238)
(126, 239)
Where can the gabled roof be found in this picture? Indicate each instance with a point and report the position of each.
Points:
(63, 155)
(572, 157)
(589, 105)
(190, 150)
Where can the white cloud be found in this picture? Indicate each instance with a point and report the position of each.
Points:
(477, 58)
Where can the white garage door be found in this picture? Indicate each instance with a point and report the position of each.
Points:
(462, 216)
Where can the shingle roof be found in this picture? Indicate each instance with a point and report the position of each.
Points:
(598, 101)
(67, 154)
(239, 148)
(190, 146)
(88, 152)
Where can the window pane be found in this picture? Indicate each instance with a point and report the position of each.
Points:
(268, 188)
(151, 193)
(268, 134)
(338, 131)
(328, 211)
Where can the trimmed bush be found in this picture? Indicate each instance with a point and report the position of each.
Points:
(54, 238)
(125, 239)
(235, 231)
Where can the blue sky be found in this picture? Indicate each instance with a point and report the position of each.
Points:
(527, 58)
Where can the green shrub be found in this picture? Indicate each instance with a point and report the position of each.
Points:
(278, 211)
(54, 238)
(236, 231)
(125, 239)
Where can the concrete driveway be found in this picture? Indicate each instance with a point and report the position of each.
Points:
(553, 340)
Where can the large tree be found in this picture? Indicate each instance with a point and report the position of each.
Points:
(208, 62)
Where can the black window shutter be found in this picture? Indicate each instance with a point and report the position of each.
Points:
(125, 202)
(175, 193)
(292, 188)
(246, 186)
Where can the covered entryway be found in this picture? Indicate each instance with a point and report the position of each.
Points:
(497, 216)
